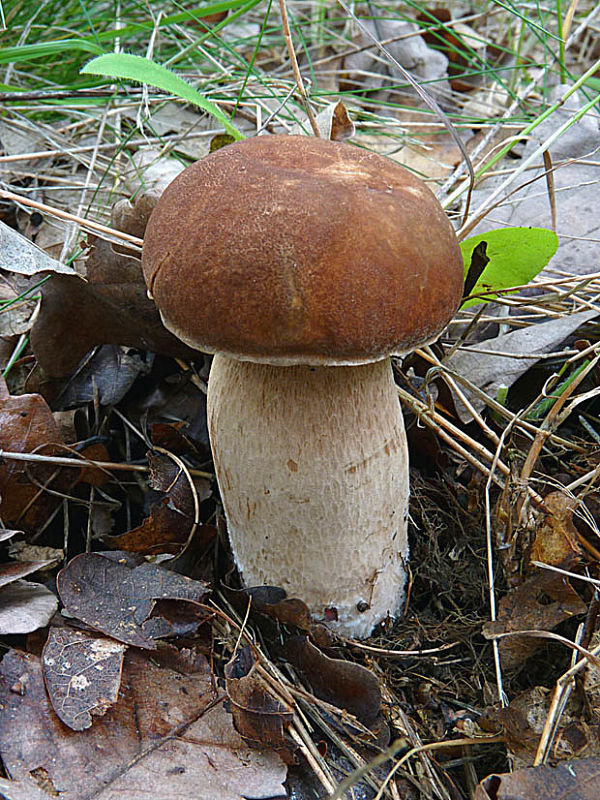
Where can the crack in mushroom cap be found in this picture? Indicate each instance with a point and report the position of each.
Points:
(297, 250)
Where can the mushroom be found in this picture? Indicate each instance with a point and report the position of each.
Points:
(303, 264)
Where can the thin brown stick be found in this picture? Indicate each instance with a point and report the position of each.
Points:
(112, 466)
(85, 223)
(296, 70)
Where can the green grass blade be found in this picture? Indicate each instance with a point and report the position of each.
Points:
(142, 70)
(28, 52)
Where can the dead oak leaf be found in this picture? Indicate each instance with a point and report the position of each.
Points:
(82, 674)
(118, 600)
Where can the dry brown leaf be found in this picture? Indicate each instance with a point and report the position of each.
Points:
(27, 425)
(25, 607)
(333, 123)
(111, 306)
(556, 539)
(168, 736)
(259, 716)
(115, 599)
(573, 780)
(82, 674)
(341, 683)
(19, 569)
(274, 602)
(526, 608)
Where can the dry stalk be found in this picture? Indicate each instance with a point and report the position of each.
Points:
(395, 747)
(552, 717)
(106, 466)
(296, 70)
(551, 420)
(84, 223)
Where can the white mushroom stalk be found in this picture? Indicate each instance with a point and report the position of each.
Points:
(312, 465)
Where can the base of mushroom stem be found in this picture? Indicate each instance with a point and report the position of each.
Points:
(354, 618)
(312, 466)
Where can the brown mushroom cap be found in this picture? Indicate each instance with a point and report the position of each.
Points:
(297, 250)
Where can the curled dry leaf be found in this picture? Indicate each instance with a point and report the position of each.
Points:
(556, 538)
(333, 123)
(6, 534)
(27, 425)
(341, 683)
(118, 600)
(168, 734)
(82, 674)
(171, 519)
(259, 716)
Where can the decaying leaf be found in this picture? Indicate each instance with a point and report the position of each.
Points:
(274, 602)
(540, 603)
(572, 780)
(168, 734)
(26, 789)
(260, 716)
(19, 569)
(105, 376)
(115, 599)
(82, 674)
(556, 538)
(341, 683)
(111, 305)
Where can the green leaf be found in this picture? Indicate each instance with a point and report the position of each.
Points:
(516, 256)
(142, 70)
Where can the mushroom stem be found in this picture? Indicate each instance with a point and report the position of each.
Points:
(312, 465)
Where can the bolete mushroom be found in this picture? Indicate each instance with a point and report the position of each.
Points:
(303, 264)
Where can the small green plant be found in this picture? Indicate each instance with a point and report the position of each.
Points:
(142, 70)
(505, 257)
